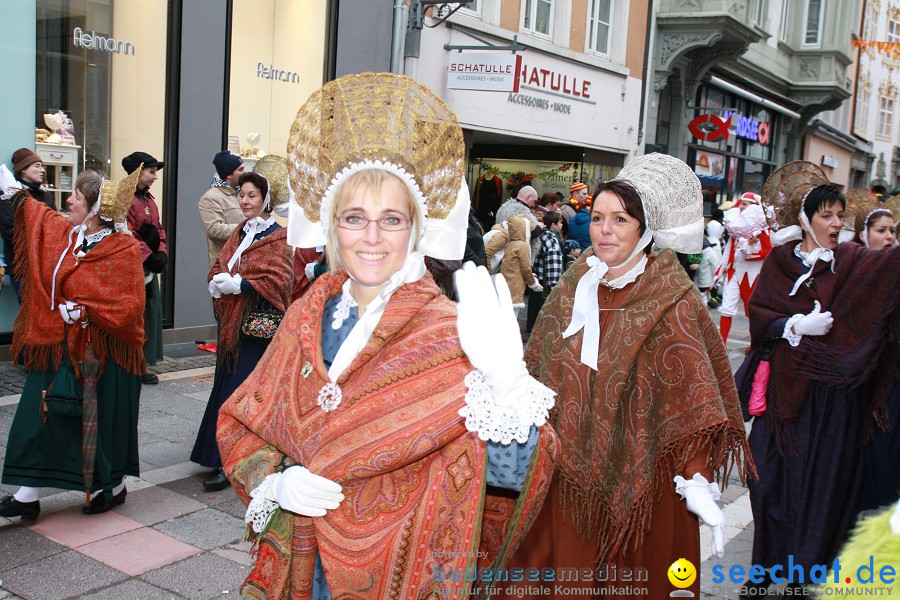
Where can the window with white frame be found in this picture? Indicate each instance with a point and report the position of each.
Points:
(472, 8)
(893, 31)
(761, 12)
(812, 20)
(785, 20)
(600, 22)
(885, 116)
(870, 23)
(862, 108)
(538, 16)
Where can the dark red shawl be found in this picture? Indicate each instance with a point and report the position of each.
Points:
(862, 295)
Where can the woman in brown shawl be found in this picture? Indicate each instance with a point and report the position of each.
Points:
(251, 284)
(646, 399)
(824, 314)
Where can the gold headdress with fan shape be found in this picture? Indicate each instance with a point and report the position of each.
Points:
(116, 196)
(275, 169)
(377, 120)
(787, 187)
(860, 202)
(893, 205)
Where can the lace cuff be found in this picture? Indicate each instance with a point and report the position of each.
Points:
(792, 338)
(698, 480)
(511, 420)
(261, 507)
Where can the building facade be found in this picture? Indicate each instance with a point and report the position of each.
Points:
(762, 69)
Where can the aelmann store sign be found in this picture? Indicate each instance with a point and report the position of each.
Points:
(749, 128)
(484, 71)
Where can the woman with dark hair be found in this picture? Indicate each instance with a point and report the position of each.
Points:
(822, 315)
(547, 203)
(646, 413)
(76, 424)
(251, 284)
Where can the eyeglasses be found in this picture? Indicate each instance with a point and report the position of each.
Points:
(357, 223)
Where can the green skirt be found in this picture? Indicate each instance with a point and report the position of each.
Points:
(153, 345)
(48, 453)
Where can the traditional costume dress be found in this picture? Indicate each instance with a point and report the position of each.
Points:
(98, 280)
(807, 444)
(383, 402)
(265, 266)
(645, 395)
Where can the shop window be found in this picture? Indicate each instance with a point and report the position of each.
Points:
(101, 84)
(862, 108)
(538, 17)
(600, 26)
(277, 61)
(893, 31)
(885, 116)
(812, 19)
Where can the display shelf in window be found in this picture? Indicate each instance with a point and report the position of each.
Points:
(61, 162)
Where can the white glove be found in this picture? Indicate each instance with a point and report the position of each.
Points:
(310, 270)
(214, 290)
(701, 496)
(815, 323)
(489, 332)
(536, 286)
(228, 284)
(70, 312)
(299, 491)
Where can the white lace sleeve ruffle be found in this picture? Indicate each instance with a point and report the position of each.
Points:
(261, 507)
(698, 480)
(508, 420)
(792, 338)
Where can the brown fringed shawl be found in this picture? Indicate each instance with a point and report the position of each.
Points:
(267, 265)
(862, 295)
(413, 476)
(663, 391)
(108, 282)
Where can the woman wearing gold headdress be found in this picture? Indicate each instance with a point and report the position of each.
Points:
(825, 314)
(376, 460)
(251, 284)
(84, 357)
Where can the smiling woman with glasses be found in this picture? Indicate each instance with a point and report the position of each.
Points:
(375, 446)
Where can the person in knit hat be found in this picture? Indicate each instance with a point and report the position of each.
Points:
(220, 210)
(578, 193)
(28, 169)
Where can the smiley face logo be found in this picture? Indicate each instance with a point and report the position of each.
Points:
(682, 573)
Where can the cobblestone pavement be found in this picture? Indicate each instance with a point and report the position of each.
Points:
(172, 540)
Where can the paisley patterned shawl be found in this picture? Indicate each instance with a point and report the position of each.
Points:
(267, 264)
(862, 294)
(412, 475)
(663, 392)
(108, 281)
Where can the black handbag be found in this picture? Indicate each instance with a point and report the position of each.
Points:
(65, 395)
(261, 324)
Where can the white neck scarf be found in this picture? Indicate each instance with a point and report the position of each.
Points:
(413, 269)
(251, 228)
(818, 253)
(585, 310)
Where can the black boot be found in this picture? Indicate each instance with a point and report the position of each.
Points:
(100, 504)
(29, 511)
(149, 379)
(216, 481)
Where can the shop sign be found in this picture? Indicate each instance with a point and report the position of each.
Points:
(270, 72)
(829, 161)
(709, 128)
(484, 71)
(540, 103)
(750, 128)
(93, 41)
(557, 82)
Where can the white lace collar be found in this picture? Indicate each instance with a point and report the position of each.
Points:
(342, 310)
(629, 277)
(97, 237)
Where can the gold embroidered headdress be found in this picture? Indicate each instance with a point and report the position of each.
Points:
(116, 197)
(380, 121)
(275, 169)
(860, 203)
(787, 187)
